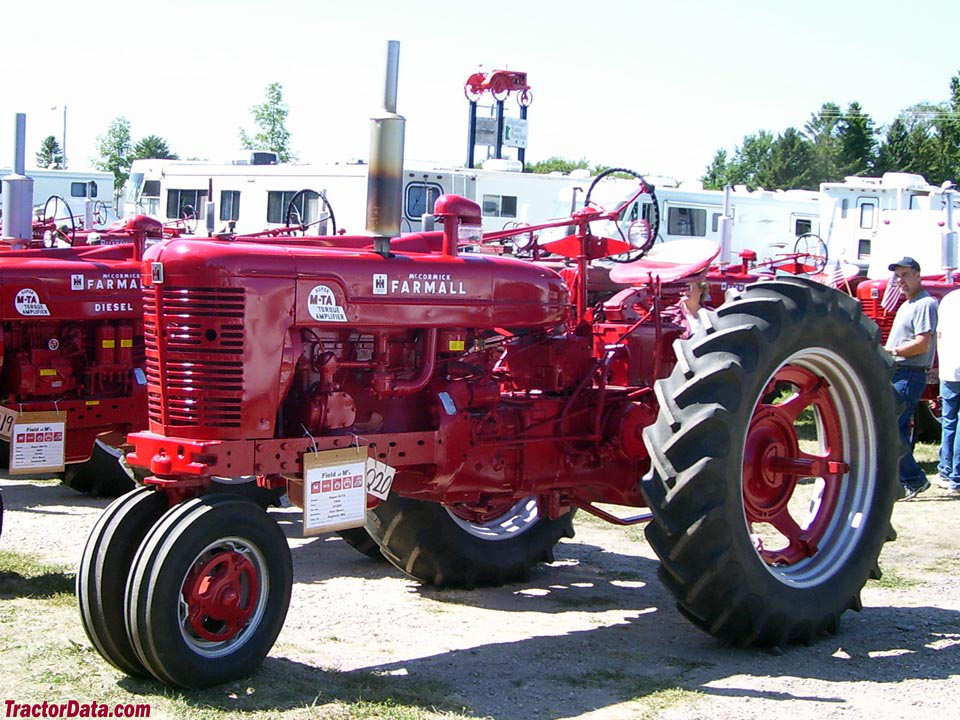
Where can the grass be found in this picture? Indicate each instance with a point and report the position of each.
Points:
(893, 580)
(23, 575)
(656, 695)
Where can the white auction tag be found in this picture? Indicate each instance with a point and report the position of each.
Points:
(334, 490)
(8, 416)
(379, 478)
(37, 442)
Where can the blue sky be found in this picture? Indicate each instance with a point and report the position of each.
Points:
(657, 87)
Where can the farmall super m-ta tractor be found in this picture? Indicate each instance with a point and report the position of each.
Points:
(764, 446)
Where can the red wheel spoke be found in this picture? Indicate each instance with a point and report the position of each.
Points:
(801, 544)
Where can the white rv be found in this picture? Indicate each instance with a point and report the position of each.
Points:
(853, 212)
(74, 186)
(255, 196)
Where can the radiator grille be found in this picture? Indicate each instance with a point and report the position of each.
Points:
(199, 380)
(873, 310)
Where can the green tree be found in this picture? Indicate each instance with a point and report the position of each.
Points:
(556, 164)
(858, 143)
(821, 130)
(50, 155)
(114, 148)
(789, 164)
(270, 116)
(153, 146)
(717, 173)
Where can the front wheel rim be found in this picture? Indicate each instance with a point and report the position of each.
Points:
(223, 597)
(841, 470)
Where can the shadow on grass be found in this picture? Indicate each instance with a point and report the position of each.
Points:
(23, 576)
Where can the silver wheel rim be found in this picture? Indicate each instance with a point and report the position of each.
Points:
(522, 516)
(850, 397)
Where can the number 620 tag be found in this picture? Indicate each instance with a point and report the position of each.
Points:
(379, 478)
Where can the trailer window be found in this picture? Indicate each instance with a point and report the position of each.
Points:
(420, 199)
(79, 189)
(866, 215)
(687, 221)
(715, 221)
(500, 206)
(863, 249)
(151, 188)
(802, 226)
(277, 203)
(230, 205)
(185, 202)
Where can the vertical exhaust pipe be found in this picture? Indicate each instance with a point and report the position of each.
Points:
(18, 189)
(385, 173)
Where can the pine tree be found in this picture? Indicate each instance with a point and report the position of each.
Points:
(50, 155)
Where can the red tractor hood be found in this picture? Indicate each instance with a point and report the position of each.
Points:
(338, 285)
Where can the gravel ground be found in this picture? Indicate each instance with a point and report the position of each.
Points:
(594, 634)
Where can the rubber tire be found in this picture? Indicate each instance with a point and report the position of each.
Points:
(422, 540)
(694, 487)
(361, 541)
(104, 569)
(160, 567)
(101, 476)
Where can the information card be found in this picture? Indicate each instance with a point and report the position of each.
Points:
(334, 490)
(37, 442)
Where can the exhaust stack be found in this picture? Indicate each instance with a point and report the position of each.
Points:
(385, 173)
(18, 189)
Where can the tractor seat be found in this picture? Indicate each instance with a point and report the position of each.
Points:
(668, 262)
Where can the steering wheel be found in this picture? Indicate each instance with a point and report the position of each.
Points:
(52, 214)
(641, 234)
(99, 213)
(188, 217)
(296, 220)
(811, 247)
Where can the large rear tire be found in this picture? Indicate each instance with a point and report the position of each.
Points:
(104, 569)
(361, 541)
(209, 591)
(731, 463)
(457, 547)
(102, 475)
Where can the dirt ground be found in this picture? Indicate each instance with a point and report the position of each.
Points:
(593, 635)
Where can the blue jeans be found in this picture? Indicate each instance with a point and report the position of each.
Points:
(949, 447)
(908, 384)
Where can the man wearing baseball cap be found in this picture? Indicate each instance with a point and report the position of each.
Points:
(912, 346)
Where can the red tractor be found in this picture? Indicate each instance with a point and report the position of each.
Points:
(72, 341)
(764, 448)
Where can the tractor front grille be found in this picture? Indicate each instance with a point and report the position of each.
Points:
(874, 310)
(195, 348)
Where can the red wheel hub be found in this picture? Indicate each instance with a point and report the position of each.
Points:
(221, 595)
(774, 464)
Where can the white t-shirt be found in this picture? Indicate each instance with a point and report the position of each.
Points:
(948, 337)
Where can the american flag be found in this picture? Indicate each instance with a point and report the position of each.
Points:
(836, 278)
(892, 295)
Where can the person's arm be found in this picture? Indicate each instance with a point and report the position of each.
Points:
(918, 346)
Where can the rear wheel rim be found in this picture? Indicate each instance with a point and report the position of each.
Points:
(837, 478)
(501, 521)
(223, 597)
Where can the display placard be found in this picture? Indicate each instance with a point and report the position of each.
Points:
(379, 478)
(334, 490)
(37, 442)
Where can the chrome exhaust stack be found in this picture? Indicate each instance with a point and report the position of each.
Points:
(385, 172)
